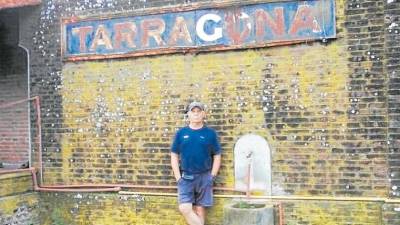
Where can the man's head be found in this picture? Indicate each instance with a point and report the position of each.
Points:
(196, 105)
(196, 112)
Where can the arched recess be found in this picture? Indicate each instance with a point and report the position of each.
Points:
(253, 150)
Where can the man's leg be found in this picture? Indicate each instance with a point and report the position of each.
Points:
(201, 212)
(191, 217)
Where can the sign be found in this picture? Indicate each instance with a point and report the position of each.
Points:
(248, 26)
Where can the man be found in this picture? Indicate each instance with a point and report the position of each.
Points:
(199, 151)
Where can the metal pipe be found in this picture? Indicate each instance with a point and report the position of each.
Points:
(128, 186)
(6, 105)
(28, 71)
(113, 187)
(396, 201)
(165, 194)
(36, 187)
(288, 198)
(148, 193)
(79, 186)
(280, 213)
(248, 181)
(39, 136)
(324, 198)
(86, 190)
(276, 197)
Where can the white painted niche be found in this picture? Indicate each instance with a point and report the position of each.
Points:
(254, 150)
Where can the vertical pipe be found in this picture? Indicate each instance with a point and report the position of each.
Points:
(248, 181)
(280, 213)
(39, 136)
(28, 71)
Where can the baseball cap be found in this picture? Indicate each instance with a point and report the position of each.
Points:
(196, 104)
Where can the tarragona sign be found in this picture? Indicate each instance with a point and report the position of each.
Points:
(203, 29)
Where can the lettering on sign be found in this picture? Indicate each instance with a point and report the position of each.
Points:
(248, 26)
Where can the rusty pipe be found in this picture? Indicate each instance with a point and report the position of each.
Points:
(36, 187)
(97, 187)
(114, 189)
(36, 99)
(60, 186)
(6, 105)
(280, 213)
(110, 187)
(39, 136)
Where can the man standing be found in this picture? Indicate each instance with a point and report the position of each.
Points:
(199, 151)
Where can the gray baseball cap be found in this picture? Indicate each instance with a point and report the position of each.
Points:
(196, 104)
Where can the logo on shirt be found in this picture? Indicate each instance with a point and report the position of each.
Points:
(186, 136)
(202, 137)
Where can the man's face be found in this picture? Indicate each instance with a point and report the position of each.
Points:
(196, 115)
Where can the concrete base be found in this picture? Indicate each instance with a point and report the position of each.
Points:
(261, 214)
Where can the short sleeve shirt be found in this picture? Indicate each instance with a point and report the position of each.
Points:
(196, 148)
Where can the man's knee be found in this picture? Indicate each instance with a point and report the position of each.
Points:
(185, 208)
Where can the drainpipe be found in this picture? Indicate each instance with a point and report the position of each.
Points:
(28, 71)
(39, 136)
(37, 104)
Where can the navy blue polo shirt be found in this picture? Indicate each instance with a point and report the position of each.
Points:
(196, 148)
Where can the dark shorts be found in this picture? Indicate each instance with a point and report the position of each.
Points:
(198, 191)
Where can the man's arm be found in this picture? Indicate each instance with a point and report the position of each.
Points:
(175, 165)
(216, 165)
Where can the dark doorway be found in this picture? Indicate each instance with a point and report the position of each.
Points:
(14, 121)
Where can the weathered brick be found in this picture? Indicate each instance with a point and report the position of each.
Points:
(326, 109)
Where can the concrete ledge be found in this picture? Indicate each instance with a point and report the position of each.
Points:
(248, 213)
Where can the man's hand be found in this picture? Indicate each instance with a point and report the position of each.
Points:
(175, 166)
(216, 165)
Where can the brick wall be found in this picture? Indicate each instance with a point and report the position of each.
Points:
(392, 55)
(14, 141)
(80, 208)
(18, 204)
(391, 214)
(314, 212)
(324, 107)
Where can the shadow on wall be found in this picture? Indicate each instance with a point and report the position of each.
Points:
(5, 49)
(10, 54)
